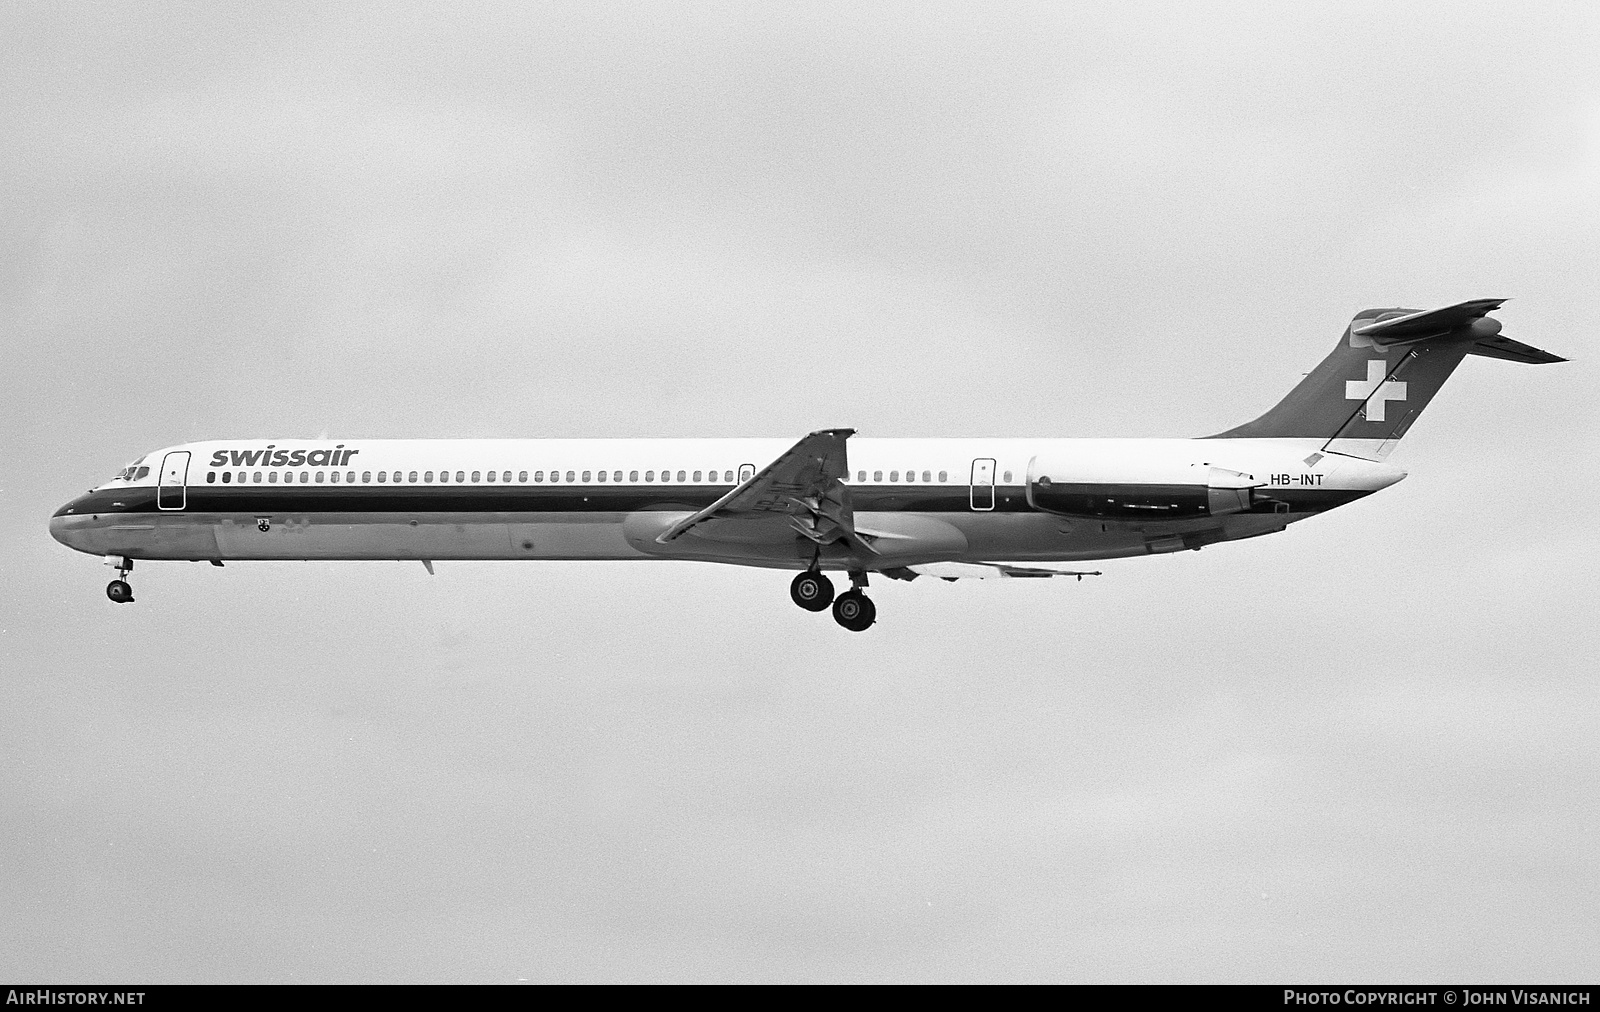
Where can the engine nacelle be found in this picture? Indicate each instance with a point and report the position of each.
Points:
(1104, 489)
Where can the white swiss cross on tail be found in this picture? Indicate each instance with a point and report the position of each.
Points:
(1374, 390)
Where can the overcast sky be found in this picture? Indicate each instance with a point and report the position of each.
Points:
(1362, 749)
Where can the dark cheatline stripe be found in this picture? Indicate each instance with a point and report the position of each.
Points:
(271, 499)
(404, 499)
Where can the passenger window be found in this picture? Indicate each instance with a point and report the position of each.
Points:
(877, 476)
(426, 476)
(649, 476)
(227, 476)
(334, 477)
(539, 475)
(572, 476)
(383, 476)
(412, 479)
(633, 476)
(350, 476)
(1007, 478)
(272, 477)
(944, 475)
(926, 476)
(397, 477)
(617, 476)
(586, 477)
(258, 478)
(477, 476)
(894, 475)
(305, 476)
(682, 476)
(366, 477)
(522, 477)
(461, 476)
(505, 476)
(319, 477)
(697, 476)
(491, 476)
(602, 476)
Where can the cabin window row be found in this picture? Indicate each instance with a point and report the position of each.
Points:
(461, 477)
(911, 475)
(504, 477)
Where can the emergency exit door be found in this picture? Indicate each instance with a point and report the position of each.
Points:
(983, 483)
(172, 493)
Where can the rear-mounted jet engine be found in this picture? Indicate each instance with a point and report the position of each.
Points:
(1172, 492)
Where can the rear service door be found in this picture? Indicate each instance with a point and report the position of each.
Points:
(983, 483)
(171, 494)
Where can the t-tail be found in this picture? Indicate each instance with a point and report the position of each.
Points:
(1384, 371)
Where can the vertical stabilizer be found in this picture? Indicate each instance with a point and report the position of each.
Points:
(1387, 366)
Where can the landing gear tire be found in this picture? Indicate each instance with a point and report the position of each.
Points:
(855, 611)
(120, 592)
(812, 591)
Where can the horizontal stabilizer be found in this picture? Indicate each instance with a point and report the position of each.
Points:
(1512, 351)
(1409, 327)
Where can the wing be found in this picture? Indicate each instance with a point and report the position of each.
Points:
(804, 485)
(990, 571)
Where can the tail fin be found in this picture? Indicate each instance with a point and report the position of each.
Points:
(1383, 372)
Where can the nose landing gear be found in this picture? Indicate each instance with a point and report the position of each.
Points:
(119, 590)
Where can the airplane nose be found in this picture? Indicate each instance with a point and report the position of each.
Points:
(61, 528)
(70, 528)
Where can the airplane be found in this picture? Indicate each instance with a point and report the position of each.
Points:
(900, 508)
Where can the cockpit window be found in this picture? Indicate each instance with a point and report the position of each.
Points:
(133, 472)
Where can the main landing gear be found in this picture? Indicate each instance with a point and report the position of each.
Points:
(119, 590)
(812, 591)
(854, 610)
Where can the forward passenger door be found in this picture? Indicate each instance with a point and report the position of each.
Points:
(171, 492)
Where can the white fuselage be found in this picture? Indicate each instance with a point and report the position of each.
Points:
(921, 500)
